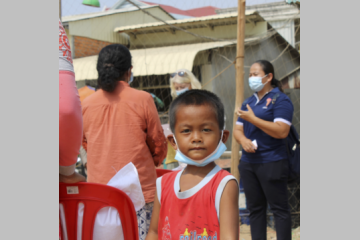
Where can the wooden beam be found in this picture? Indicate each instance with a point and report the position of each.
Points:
(134, 34)
(252, 22)
(210, 26)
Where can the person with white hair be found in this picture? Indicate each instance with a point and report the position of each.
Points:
(180, 81)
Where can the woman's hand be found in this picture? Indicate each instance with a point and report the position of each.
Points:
(246, 115)
(248, 146)
(240, 137)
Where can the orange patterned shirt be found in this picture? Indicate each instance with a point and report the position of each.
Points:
(122, 127)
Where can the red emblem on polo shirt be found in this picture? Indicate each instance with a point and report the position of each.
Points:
(268, 101)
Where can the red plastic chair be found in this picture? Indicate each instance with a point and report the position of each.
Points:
(94, 197)
(160, 172)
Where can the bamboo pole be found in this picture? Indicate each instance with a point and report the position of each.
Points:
(60, 9)
(239, 66)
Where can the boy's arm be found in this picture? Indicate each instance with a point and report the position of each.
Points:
(229, 212)
(153, 228)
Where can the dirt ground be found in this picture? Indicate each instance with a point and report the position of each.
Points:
(271, 234)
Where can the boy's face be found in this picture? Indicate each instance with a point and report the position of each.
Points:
(197, 131)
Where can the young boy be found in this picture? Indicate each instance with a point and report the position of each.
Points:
(199, 202)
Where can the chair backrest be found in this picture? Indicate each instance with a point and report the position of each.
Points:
(94, 197)
(160, 172)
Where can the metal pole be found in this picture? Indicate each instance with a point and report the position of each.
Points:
(235, 147)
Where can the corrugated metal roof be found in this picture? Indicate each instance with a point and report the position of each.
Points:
(271, 11)
(152, 61)
(124, 3)
(183, 21)
(66, 19)
(156, 61)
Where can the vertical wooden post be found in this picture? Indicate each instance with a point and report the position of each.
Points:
(235, 147)
(60, 9)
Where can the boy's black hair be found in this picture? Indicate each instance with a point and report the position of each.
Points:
(197, 97)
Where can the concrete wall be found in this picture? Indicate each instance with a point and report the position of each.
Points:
(102, 28)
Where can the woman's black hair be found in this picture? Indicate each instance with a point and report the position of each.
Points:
(113, 62)
(267, 67)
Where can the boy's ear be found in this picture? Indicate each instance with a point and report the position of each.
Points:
(172, 141)
(225, 136)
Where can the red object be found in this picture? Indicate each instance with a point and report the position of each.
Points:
(268, 101)
(60, 238)
(195, 12)
(203, 11)
(94, 197)
(189, 214)
(160, 172)
(169, 9)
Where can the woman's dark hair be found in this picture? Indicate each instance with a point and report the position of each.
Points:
(267, 67)
(113, 62)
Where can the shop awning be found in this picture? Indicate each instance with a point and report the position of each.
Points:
(151, 61)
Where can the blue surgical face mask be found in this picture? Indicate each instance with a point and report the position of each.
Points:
(181, 91)
(221, 148)
(131, 79)
(256, 84)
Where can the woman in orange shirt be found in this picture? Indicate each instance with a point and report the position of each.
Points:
(121, 125)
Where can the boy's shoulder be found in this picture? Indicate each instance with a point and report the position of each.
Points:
(224, 175)
(223, 171)
(169, 175)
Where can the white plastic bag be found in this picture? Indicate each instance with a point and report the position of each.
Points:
(107, 223)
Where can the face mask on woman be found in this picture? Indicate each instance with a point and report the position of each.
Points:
(256, 84)
(131, 76)
(131, 79)
(181, 91)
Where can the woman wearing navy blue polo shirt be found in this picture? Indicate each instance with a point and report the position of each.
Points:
(264, 121)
